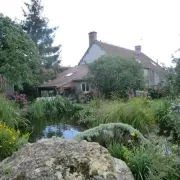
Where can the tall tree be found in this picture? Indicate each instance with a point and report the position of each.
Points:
(19, 57)
(115, 74)
(36, 26)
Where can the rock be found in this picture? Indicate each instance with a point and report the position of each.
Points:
(56, 158)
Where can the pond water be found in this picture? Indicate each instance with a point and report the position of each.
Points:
(48, 128)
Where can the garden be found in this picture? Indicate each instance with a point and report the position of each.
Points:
(141, 129)
(144, 133)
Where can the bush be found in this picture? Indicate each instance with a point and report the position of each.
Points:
(167, 116)
(10, 113)
(156, 93)
(20, 99)
(10, 140)
(112, 132)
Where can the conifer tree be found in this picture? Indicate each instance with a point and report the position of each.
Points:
(36, 26)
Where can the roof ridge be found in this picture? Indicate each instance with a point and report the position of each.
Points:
(133, 51)
(117, 46)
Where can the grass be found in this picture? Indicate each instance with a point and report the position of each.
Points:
(52, 108)
(10, 114)
(135, 112)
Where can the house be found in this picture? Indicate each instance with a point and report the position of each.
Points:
(153, 72)
(73, 79)
(70, 81)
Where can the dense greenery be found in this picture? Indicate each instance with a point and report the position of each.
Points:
(176, 74)
(135, 112)
(53, 107)
(10, 120)
(112, 132)
(37, 28)
(156, 159)
(10, 140)
(145, 133)
(114, 74)
(146, 162)
(19, 57)
(152, 158)
(10, 113)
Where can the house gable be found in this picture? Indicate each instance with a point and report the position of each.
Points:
(94, 52)
(153, 72)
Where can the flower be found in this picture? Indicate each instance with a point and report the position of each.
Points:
(133, 134)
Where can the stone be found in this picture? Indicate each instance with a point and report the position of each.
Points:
(60, 159)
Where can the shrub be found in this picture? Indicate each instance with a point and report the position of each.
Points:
(10, 113)
(20, 99)
(156, 93)
(112, 132)
(174, 121)
(10, 140)
(167, 115)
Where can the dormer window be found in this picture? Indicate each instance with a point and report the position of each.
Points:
(69, 74)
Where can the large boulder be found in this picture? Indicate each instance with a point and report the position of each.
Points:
(55, 158)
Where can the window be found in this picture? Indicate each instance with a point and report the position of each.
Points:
(69, 74)
(85, 87)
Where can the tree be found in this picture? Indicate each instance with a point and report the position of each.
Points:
(177, 70)
(37, 28)
(114, 74)
(19, 57)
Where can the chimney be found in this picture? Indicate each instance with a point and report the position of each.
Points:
(92, 37)
(138, 48)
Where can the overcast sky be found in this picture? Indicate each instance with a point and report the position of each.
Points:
(120, 22)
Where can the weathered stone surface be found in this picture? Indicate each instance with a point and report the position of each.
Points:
(55, 158)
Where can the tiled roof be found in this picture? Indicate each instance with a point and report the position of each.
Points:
(72, 74)
(127, 53)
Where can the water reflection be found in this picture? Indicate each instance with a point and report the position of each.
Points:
(48, 128)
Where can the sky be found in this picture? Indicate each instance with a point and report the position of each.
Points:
(153, 24)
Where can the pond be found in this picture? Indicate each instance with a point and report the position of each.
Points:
(48, 128)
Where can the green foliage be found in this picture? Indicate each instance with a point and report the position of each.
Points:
(167, 116)
(119, 151)
(177, 74)
(10, 140)
(10, 113)
(147, 162)
(114, 74)
(156, 93)
(37, 28)
(120, 133)
(53, 107)
(170, 87)
(160, 109)
(147, 159)
(19, 57)
(150, 163)
(135, 112)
